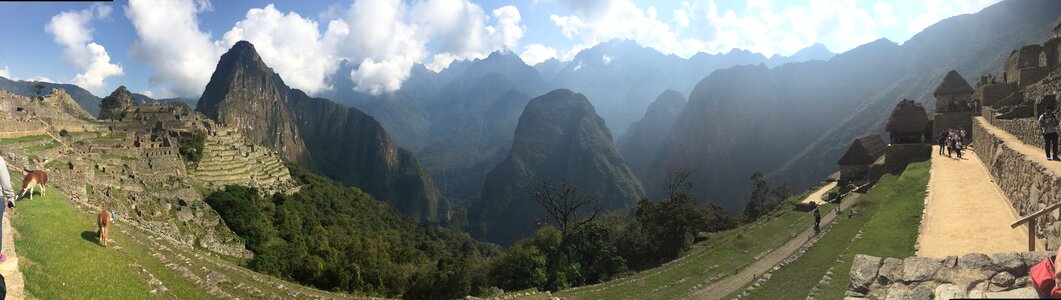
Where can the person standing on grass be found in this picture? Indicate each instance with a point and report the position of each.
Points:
(8, 195)
(1048, 125)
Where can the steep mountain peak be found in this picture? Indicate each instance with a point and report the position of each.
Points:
(559, 136)
(241, 63)
(113, 107)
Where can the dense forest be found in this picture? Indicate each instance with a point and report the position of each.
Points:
(338, 238)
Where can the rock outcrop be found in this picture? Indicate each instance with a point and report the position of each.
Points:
(113, 107)
(559, 137)
(341, 142)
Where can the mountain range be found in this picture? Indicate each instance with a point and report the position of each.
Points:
(338, 141)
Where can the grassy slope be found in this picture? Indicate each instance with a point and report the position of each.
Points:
(724, 254)
(60, 257)
(888, 216)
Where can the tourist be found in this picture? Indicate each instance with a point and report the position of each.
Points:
(942, 140)
(817, 218)
(8, 195)
(1048, 125)
(958, 147)
(961, 133)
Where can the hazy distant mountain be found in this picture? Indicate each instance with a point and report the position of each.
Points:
(87, 100)
(473, 119)
(792, 122)
(559, 136)
(621, 77)
(342, 143)
(640, 144)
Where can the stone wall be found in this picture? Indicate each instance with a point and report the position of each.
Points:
(973, 275)
(992, 93)
(952, 120)
(1026, 129)
(897, 155)
(1025, 181)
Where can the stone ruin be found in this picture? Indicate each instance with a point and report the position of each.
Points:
(954, 104)
(863, 161)
(1017, 94)
(974, 275)
(910, 132)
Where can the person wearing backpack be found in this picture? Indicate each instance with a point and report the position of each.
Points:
(817, 219)
(1048, 125)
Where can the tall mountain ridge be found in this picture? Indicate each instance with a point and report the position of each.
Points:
(340, 142)
(792, 122)
(86, 99)
(641, 143)
(559, 137)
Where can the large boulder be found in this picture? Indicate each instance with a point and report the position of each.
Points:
(863, 272)
(1010, 262)
(917, 269)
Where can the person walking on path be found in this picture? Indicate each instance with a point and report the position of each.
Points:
(942, 140)
(958, 148)
(817, 219)
(8, 195)
(961, 133)
(1048, 125)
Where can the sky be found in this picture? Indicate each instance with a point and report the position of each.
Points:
(169, 48)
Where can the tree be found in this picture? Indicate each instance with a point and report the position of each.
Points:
(565, 205)
(757, 202)
(677, 184)
(37, 86)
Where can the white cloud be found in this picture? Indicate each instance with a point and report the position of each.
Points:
(607, 60)
(385, 38)
(762, 26)
(71, 30)
(936, 10)
(6, 73)
(168, 38)
(290, 44)
(534, 54)
(884, 13)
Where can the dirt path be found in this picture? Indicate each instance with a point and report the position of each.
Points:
(817, 195)
(731, 284)
(9, 269)
(965, 212)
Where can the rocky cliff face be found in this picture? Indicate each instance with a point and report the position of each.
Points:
(640, 144)
(113, 107)
(559, 136)
(341, 142)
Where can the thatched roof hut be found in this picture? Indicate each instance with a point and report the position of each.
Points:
(907, 117)
(953, 84)
(864, 151)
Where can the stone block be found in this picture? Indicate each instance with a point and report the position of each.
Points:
(975, 261)
(918, 269)
(891, 270)
(1010, 262)
(863, 272)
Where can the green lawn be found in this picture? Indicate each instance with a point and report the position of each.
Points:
(61, 258)
(724, 254)
(29, 138)
(115, 156)
(42, 147)
(888, 215)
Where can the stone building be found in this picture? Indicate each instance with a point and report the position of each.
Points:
(908, 123)
(954, 97)
(863, 153)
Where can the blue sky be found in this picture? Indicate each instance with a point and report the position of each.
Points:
(168, 48)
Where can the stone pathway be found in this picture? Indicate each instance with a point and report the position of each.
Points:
(817, 195)
(731, 284)
(965, 212)
(12, 276)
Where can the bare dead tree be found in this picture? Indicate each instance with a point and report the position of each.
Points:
(677, 184)
(568, 205)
